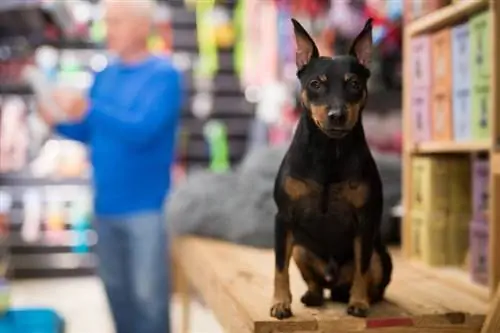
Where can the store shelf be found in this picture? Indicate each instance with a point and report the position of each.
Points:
(18, 180)
(449, 147)
(15, 89)
(495, 163)
(446, 16)
(73, 45)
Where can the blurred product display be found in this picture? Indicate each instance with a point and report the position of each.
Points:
(231, 108)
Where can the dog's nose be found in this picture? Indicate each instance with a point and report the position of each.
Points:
(337, 116)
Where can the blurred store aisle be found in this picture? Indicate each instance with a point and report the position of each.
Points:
(81, 301)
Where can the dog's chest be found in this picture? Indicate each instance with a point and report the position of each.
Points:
(310, 198)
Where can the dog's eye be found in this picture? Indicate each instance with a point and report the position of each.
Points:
(354, 85)
(315, 84)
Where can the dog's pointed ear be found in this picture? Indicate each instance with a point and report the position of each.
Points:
(363, 45)
(306, 48)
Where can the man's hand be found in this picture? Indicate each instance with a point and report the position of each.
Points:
(46, 115)
(72, 103)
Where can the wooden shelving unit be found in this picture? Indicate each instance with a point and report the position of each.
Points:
(449, 16)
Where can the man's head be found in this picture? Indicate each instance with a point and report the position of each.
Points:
(128, 24)
(333, 89)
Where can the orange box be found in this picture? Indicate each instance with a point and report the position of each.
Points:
(441, 50)
(441, 112)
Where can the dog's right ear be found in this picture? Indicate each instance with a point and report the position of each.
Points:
(306, 48)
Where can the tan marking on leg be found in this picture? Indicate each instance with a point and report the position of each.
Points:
(359, 289)
(282, 299)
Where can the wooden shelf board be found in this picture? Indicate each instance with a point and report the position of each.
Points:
(237, 283)
(446, 16)
(495, 163)
(450, 147)
(454, 277)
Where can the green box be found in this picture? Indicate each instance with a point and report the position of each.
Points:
(481, 104)
(480, 48)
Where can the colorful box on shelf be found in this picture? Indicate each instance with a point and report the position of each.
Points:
(421, 62)
(441, 60)
(480, 189)
(430, 183)
(479, 242)
(421, 115)
(480, 48)
(460, 45)
(462, 115)
(442, 122)
(441, 183)
(457, 232)
(429, 237)
(460, 187)
(461, 84)
(481, 103)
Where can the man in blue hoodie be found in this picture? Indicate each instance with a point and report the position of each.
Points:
(129, 122)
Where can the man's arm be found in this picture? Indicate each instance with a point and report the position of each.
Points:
(156, 107)
(74, 131)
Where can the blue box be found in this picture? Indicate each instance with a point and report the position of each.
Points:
(460, 45)
(31, 321)
(462, 115)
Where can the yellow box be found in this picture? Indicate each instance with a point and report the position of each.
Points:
(429, 239)
(430, 183)
(460, 185)
(458, 238)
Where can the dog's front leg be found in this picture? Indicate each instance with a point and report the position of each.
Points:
(282, 300)
(359, 301)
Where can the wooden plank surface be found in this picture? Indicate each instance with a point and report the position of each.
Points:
(236, 282)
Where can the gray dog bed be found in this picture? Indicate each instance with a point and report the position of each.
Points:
(238, 206)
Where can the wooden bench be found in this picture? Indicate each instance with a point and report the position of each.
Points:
(236, 282)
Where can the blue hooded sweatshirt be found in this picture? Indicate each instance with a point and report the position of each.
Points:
(130, 129)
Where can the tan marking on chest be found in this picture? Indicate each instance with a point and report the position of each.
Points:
(297, 189)
(355, 193)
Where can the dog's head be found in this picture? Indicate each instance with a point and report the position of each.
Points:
(333, 90)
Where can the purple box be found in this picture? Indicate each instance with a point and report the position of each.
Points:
(421, 117)
(461, 57)
(479, 251)
(480, 189)
(421, 62)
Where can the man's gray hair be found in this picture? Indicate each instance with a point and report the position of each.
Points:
(146, 8)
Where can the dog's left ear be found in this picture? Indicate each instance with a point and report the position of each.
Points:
(363, 45)
(306, 48)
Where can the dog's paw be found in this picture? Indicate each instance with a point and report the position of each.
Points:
(312, 299)
(281, 309)
(358, 309)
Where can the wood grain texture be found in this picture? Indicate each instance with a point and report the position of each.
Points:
(494, 227)
(236, 283)
(492, 322)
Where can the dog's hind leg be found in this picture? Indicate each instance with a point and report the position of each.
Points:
(314, 271)
(282, 300)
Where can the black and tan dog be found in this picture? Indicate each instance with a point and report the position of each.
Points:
(328, 188)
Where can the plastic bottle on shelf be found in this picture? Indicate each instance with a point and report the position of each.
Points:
(5, 207)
